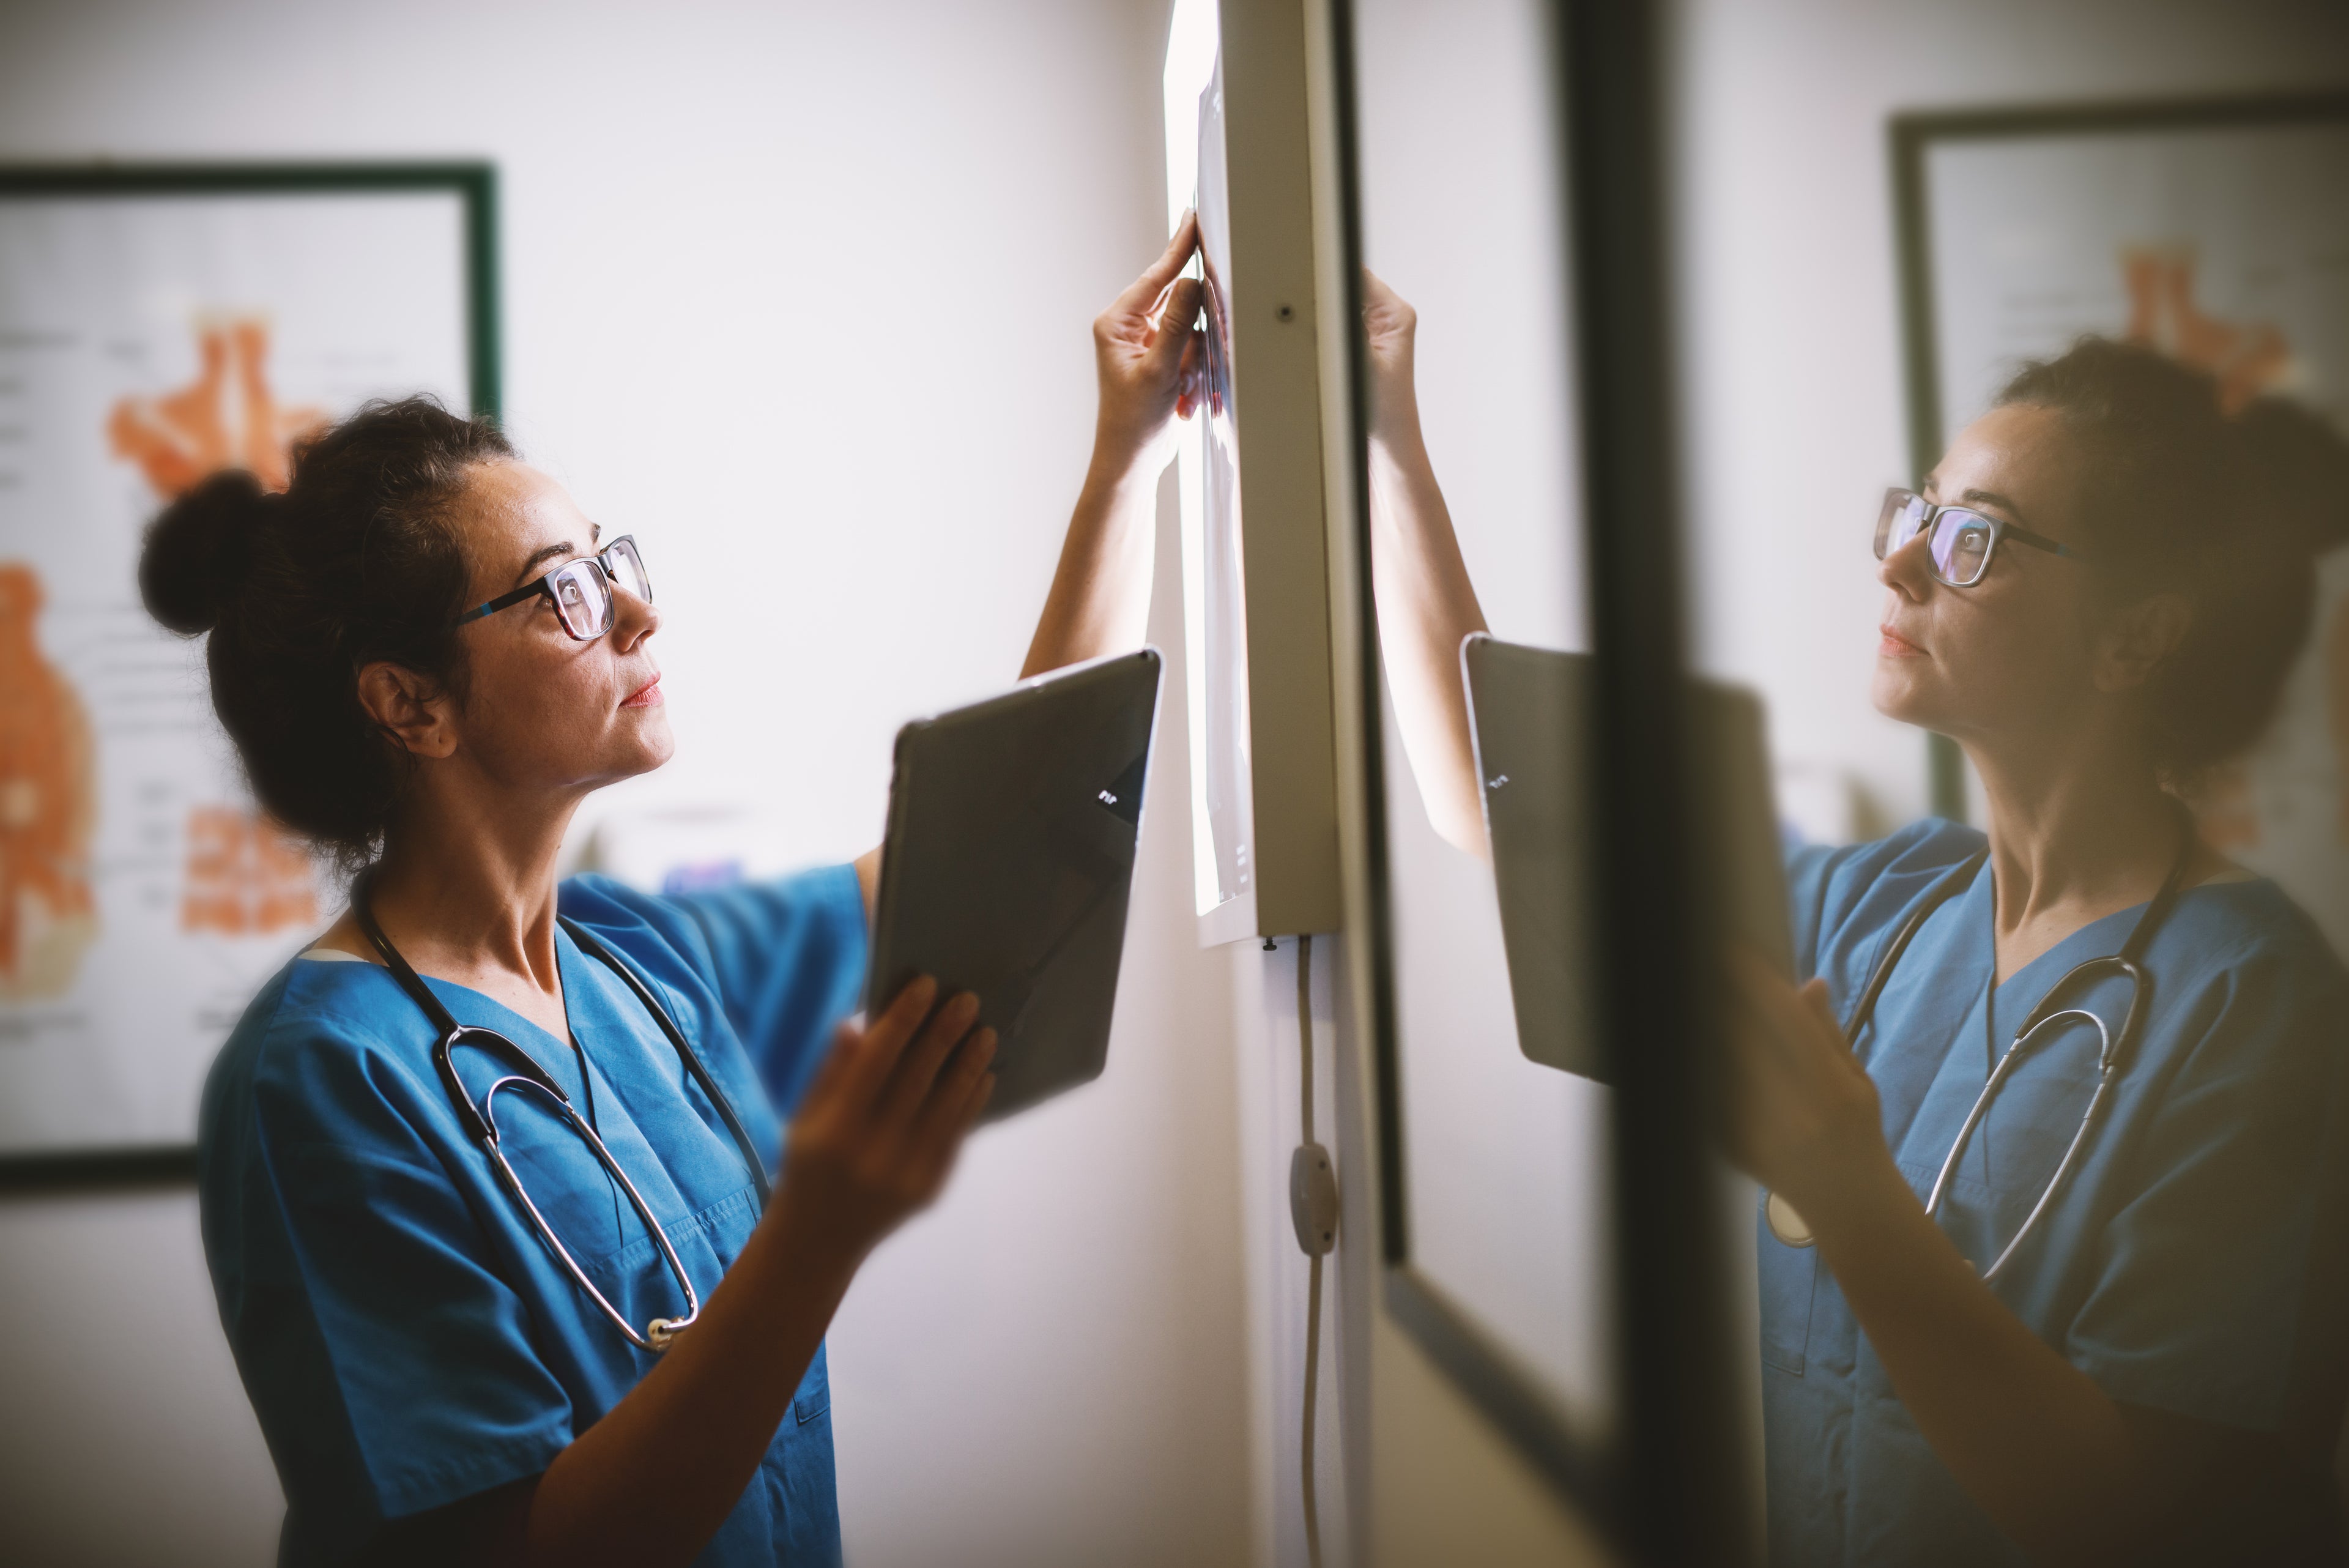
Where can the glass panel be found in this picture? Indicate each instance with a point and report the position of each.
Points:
(2077, 1291)
(1475, 531)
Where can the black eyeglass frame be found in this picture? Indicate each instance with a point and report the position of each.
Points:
(1897, 500)
(543, 587)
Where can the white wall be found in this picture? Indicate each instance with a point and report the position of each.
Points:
(811, 282)
(1791, 367)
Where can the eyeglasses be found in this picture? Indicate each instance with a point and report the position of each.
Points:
(1963, 542)
(581, 589)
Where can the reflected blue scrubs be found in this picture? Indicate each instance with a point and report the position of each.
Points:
(405, 1338)
(2194, 1260)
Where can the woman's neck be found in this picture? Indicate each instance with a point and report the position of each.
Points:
(2077, 833)
(466, 891)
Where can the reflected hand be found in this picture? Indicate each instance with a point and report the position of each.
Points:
(1802, 1115)
(879, 1130)
(1148, 353)
(1391, 328)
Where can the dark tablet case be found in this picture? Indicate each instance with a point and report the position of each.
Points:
(1010, 863)
(1529, 711)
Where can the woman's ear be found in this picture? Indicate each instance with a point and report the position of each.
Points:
(2136, 639)
(417, 713)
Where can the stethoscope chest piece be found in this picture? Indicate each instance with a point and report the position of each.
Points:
(1785, 1223)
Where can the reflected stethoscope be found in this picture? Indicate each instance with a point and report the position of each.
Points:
(481, 1118)
(2112, 1050)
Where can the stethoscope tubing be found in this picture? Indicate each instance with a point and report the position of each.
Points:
(2006, 1063)
(2112, 1054)
(481, 1118)
(659, 1331)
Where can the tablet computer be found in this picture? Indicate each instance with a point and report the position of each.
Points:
(1529, 718)
(1010, 861)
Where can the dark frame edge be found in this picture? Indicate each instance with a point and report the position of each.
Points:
(96, 1170)
(473, 180)
(1581, 1467)
(1945, 774)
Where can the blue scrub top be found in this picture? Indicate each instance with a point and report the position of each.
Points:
(2192, 1263)
(405, 1338)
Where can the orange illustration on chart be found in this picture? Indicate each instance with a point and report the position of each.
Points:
(47, 806)
(244, 876)
(226, 418)
(2248, 358)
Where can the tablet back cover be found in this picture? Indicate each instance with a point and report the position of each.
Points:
(1010, 864)
(1530, 717)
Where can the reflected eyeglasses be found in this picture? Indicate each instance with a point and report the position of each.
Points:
(1961, 539)
(580, 590)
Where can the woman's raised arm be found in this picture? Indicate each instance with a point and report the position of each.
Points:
(1145, 352)
(1427, 605)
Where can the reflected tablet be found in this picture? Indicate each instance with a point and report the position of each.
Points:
(1529, 715)
(1009, 860)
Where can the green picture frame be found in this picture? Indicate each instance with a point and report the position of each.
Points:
(474, 185)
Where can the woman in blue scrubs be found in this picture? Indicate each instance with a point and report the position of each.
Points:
(422, 676)
(2158, 1373)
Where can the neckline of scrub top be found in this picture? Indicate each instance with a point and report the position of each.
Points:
(1983, 892)
(557, 1052)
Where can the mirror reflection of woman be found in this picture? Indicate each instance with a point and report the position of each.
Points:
(428, 655)
(2107, 611)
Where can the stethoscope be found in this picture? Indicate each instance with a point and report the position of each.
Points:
(481, 1118)
(2112, 1050)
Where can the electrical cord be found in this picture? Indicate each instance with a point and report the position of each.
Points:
(1313, 1289)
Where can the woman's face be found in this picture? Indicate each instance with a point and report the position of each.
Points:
(2015, 655)
(541, 712)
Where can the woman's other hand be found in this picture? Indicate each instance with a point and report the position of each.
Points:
(1147, 352)
(881, 1126)
(1803, 1115)
(1391, 328)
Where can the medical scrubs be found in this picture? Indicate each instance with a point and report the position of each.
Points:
(406, 1338)
(2193, 1262)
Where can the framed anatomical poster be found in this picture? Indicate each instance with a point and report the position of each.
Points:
(155, 325)
(2217, 232)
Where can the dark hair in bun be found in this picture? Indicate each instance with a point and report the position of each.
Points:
(359, 560)
(2229, 512)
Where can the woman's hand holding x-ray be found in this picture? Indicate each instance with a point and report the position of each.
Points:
(1391, 330)
(1801, 1113)
(878, 1132)
(1148, 354)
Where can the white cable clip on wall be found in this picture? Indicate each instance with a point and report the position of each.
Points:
(1313, 1198)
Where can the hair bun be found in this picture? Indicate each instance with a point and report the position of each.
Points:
(197, 551)
(2302, 464)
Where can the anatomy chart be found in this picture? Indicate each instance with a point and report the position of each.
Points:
(149, 337)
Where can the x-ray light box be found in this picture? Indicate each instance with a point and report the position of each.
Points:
(1254, 580)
